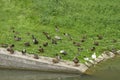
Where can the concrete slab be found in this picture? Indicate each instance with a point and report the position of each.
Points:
(27, 62)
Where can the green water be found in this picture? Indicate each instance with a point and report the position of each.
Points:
(108, 70)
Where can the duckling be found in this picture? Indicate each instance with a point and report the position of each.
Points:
(17, 38)
(35, 41)
(76, 61)
(54, 41)
(27, 44)
(100, 37)
(56, 59)
(93, 49)
(23, 51)
(96, 43)
(63, 52)
(77, 44)
(45, 44)
(41, 50)
(36, 56)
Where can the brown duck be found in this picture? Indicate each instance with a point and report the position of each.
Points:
(56, 59)
(76, 61)
(24, 51)
(41, 50)
(36, 56)
(17, 38)
(45, 44)
(27, 44)
(10, 49)
(96, 43)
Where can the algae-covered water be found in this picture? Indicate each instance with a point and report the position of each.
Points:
(107, 70)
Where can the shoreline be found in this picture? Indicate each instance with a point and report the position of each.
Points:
(27, 62)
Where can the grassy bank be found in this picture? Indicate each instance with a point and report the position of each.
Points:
(76, 17)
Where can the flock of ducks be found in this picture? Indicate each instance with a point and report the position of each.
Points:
(54, 40)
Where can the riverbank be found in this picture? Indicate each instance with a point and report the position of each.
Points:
(27, 62)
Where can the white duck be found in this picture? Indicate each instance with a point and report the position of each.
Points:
(88, 60)
(94, 56)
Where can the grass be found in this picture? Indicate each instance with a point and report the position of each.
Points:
(76, 17)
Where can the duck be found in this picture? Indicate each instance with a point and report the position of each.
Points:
(45, 44)
(65, 34)
(35, 41)
(27, 44)
(17, 38)
(100, 37)
(96, 43)
(41, 50)
(88, 60)
(94, 56)
(76, 61)
(77, 44)
(10, 49)
(93, 49)
(24, 51)
(48, 37)
(79, 49)
(68, 35)
(36, 56)
(58, 38)
(63, 52)
(45, 33)
(54, 41)
(56, 59)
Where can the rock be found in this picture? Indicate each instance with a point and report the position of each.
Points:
(105, 56)
(111, 54)
(118, 52)
(101, 57)
(88, 64)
